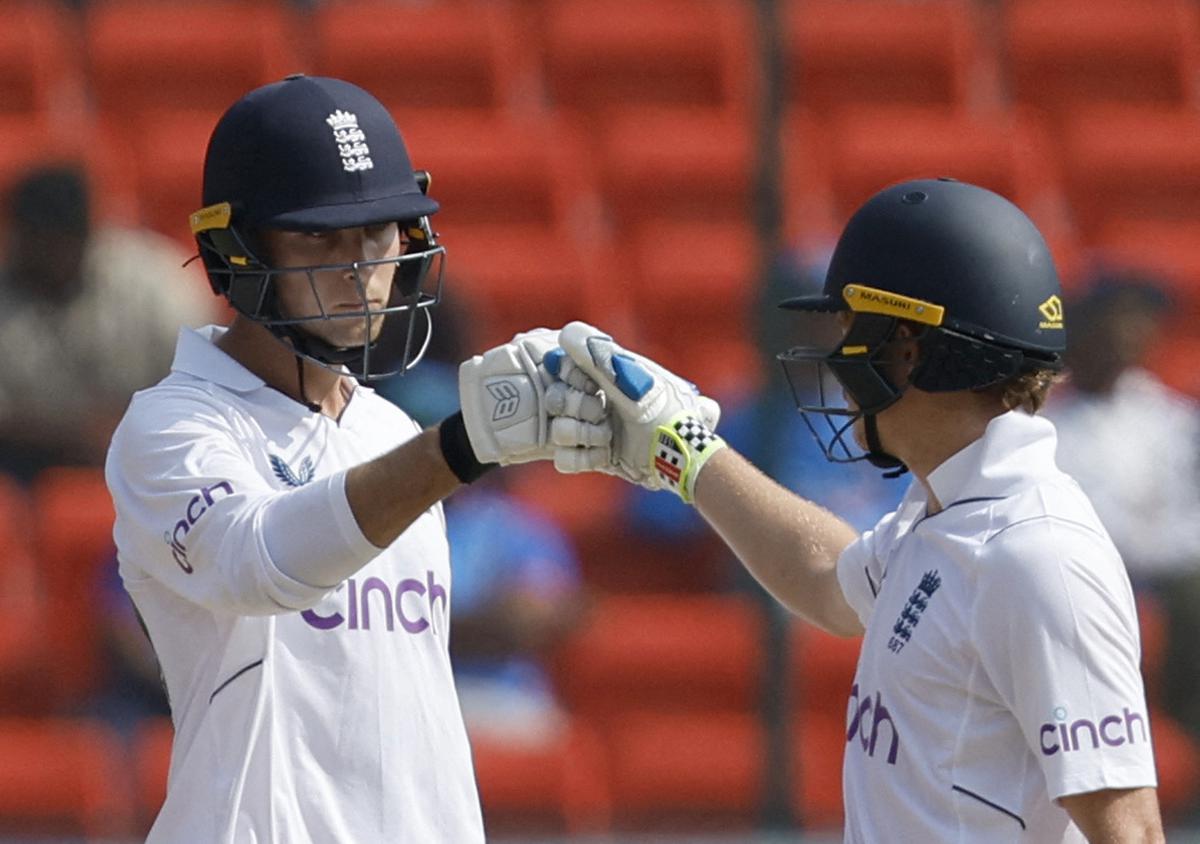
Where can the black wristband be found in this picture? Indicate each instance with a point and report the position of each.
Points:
(457, 450)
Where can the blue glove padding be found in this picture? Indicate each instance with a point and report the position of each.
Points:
(662, 428)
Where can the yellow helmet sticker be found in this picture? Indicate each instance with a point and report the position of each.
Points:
(871, 300)
(1052, 313)
(212, 217)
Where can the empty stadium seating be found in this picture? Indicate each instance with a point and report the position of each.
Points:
(72, 538)
(441, 55)
(41, 80)
(144, 55)
(1131, 163)
(1065, 54)
(851, 53)
(694, 53)
(63, 777)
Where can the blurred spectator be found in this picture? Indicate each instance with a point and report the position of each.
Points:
(517, 587)
(1133, 444)
(88, 315)
(517, 593)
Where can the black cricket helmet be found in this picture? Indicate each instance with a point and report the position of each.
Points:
(962, 265)
(314, 154)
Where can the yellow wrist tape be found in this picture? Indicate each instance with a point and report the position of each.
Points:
(679, 450)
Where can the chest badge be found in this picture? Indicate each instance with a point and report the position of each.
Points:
(285, 473)
(914, 607)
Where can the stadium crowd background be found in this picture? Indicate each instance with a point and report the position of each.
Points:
(665, 169)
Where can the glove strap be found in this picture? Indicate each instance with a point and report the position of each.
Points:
(457, 450)
(679, 451)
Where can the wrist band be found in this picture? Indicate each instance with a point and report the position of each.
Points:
(457, 450)
(680, 449)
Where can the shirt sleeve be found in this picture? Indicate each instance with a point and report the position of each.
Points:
(194, 514)
(1055, 628)
(860, 570)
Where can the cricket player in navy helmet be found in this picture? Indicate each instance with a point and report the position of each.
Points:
(279, 526)
(997, 696)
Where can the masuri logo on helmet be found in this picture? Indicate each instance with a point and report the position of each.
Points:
(963, 262)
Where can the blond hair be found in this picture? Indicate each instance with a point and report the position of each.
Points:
(1027, 391)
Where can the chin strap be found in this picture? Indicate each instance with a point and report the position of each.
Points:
(315, 408)
(875, 453)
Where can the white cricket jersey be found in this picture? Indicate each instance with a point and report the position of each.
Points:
(999, 669)
(301, 714)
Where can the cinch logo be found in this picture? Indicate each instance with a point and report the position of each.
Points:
(420, 598)
(508, 399)
(1052, 313)
(1113, 730)
(868, 732)
(196, 508)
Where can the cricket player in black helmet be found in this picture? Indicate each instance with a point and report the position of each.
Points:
(997, 696)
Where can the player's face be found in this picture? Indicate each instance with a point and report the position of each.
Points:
(337, 292)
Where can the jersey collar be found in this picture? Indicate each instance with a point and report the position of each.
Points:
(1015, 450)
(196, 354)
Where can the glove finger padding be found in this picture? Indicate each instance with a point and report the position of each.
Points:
(567, 432)
(503, 396)
(662, 426)
(572, 461)
(564, 400)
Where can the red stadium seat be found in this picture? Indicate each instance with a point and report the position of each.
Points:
(442, 55)
(823, 669)
(676, 164)
(151, 764)
(697, 280)
(23, 656)
(519, 218)
(144, 55)
(40, 75)
(823, 666)
(1168, 248)
(692, 53)
(63, 777)
(1068, 53)
(1131, 163)
(687, 770)
(878, 52)
(1177, 759)
(72, 534)
(169, 148)
(679, 653)
(561, 784)
(818, 747)
(869, 149)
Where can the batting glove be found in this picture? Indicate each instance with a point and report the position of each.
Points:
(663, 430)
(507, 396)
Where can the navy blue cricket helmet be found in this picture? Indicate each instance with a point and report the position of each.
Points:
(965, 266)
(317, 154)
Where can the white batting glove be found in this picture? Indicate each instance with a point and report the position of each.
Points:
(507, 395)
(663, 430)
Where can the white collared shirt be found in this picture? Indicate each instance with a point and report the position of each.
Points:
(302, 714)
(999, 669)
